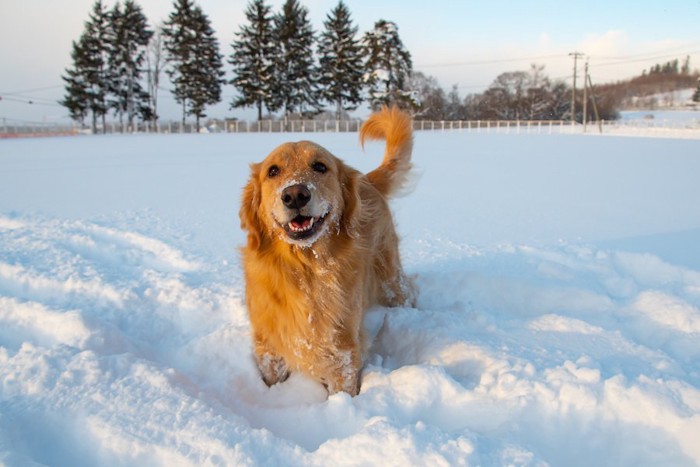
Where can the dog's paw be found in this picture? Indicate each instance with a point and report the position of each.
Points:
(273, 369)
(345, 378)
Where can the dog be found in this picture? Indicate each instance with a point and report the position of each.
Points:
(321, 249)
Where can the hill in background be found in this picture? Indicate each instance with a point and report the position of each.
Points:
(667, 86)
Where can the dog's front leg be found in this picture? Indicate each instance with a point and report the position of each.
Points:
(344, 364)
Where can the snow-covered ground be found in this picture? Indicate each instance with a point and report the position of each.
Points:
(678, 124)
(660, 118)
(558, 321)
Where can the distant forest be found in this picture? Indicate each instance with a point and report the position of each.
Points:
(531, 95)
(281, 66)
(644, 91)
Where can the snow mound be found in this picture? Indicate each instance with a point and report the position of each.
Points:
(151, 365)
(124, 338)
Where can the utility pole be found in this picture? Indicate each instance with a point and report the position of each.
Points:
(585, 96)
(595, 106)
(576, 56)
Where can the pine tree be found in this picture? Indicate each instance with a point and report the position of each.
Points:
(296, 88)
(128, 39)
(340, 60)
(196, 66)
(685, 69)
(76, 99)
(253, 59)
(388, 67)
(86, 82)
(208, 69)
(178, 49)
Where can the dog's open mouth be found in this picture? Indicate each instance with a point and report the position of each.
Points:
(303, 227)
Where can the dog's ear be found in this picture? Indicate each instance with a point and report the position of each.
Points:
(349, 180)
(250, 206)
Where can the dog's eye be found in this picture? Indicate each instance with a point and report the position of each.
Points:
(273, 171)
(319, 167)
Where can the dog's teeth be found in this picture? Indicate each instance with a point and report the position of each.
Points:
(304, 226)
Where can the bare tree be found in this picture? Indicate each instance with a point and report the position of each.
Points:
(505, 98)
(156, 60)
(429, 96)
(537, 94)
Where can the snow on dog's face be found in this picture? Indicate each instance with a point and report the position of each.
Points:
(295, 194)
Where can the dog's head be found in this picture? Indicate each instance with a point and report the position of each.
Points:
(300, 193)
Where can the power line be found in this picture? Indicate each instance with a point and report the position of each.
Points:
(616, 59)
(619, 60)
(29, 101)
(672, 50)
(489, 62)
(636, 60)
(45, 88)
(32, 98)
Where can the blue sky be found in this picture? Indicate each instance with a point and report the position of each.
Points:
(467, 43)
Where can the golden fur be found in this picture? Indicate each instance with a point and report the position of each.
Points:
(321, 250)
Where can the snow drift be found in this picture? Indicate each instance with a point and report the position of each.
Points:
(557, 322)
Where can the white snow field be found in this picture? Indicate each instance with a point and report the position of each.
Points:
(558, 321)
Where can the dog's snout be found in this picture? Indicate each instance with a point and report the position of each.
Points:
(296, 196)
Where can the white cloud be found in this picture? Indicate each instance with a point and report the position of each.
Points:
(613, 43)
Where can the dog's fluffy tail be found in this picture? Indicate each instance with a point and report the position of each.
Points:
(396, 127)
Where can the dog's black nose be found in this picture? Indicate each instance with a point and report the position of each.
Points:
(296, 196)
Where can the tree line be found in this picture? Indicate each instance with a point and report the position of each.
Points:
(514, 95)
(532, 95)
(670, 68)
(278, 61)
(643, 91)
(280, 64)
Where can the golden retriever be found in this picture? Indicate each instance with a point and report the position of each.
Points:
(321, 250)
